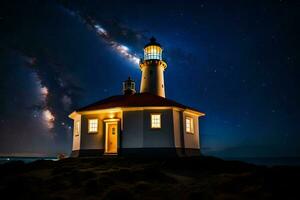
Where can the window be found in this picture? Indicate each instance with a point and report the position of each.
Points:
(93, 125)
(128, 85)
(152, 52)
(155, 121)
(77, 128)
(189, 125)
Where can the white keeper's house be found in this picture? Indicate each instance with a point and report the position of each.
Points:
(144, 123)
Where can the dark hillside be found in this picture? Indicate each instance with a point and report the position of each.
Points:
(147, 178)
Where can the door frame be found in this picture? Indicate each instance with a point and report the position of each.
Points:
(108, 122)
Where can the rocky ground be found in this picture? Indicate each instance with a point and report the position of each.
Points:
(147, 178)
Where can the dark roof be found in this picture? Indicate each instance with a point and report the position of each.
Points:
(152, 42)
(135, 100)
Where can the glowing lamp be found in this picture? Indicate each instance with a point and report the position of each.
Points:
(153, 50)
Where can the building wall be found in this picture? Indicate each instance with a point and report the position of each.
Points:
(132, 134)
(162, 137)
(135, 130)
(191, 140)
(76, 138)
(177, 128)
(95, 140)
(152, 79)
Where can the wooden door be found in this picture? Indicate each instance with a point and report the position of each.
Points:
(112, 138)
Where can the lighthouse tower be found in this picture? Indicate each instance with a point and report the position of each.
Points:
(153, 67)
(144, 123)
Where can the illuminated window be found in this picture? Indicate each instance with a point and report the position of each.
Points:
(189, 125)
(152, 52)
(155, 121)
(128, 85)
(77, 128)
(93, 125)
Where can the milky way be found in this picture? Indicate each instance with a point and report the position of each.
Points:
(105, 35)
(237, 62)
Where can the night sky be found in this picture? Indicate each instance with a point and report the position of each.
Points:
(237, 61)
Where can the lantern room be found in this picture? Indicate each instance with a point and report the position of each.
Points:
(128, 87)
(153, 50)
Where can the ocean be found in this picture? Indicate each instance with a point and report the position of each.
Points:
(268, 161)
(25, 159)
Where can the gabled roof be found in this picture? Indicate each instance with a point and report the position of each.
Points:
(135, 100)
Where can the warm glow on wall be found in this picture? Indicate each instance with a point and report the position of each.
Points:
(77, 128)
(111, 115)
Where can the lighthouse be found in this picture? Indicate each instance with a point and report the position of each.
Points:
(153, 67)
(144, 123)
